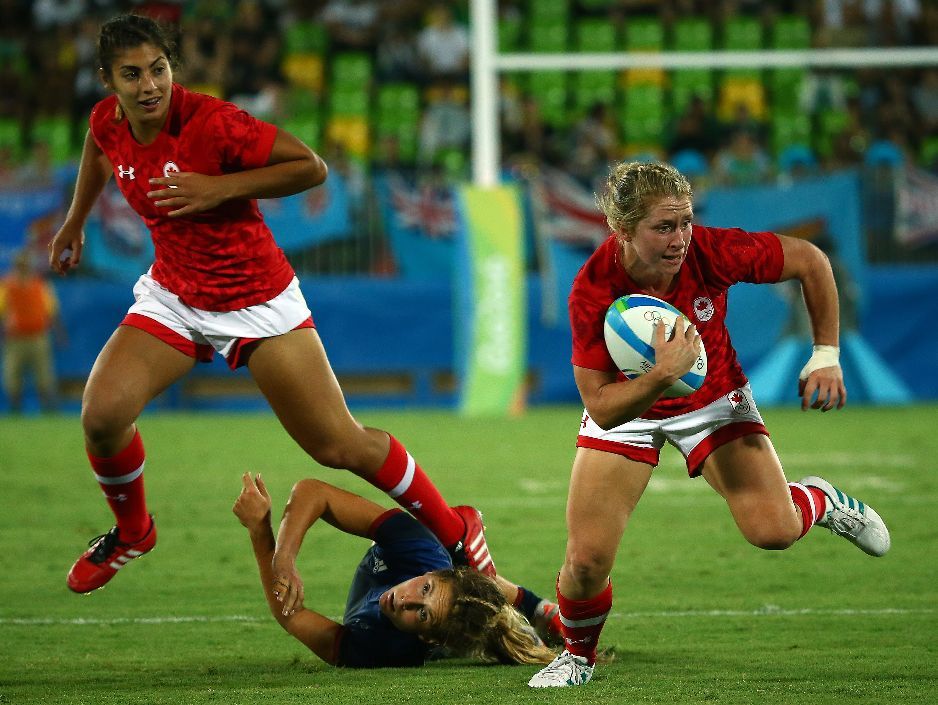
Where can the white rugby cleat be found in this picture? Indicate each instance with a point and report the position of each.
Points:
(849, 517)
(565, 670)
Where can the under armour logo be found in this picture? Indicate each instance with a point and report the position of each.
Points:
(117, 497)
(128, 172)
(417, 506)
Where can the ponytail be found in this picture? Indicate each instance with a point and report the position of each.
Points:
(483, 624)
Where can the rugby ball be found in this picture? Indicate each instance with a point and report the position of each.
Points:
(629, 330)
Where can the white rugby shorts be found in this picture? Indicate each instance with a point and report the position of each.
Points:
(199, 333)
(696, 434)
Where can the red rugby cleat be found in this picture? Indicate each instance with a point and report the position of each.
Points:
(107, 555)
(471, 549)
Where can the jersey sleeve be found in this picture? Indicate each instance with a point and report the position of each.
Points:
(735, 255)
(587, 313)
(244, 142)
(409, 547)
(367, 644)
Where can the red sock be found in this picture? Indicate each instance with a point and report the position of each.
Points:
(811, 501)
(121, 480)
(583, 620)
(403, 480)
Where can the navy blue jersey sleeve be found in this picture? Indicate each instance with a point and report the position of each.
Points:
(374, 644)
(409, 548)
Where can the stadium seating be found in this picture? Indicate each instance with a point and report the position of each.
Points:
(350, 87)
(790, 32)
(10, 135)
(644, 34)
(643, 117)
(928, 154)
(549, 88)
(552, 11)
(397, 117)
(790, 129)
(509, 33)
(691, 34)
(547, 37)
(56, 132)
(831, 122)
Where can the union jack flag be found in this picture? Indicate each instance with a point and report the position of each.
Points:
(424, 206)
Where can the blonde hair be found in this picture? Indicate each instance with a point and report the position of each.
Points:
(632, 187)
(482, 624)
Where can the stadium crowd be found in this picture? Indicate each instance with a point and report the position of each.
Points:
(387, 83)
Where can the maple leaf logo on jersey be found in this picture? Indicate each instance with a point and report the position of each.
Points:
(740, 401)
(703, 308)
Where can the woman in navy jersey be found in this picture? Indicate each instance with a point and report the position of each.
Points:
(406, 604)
(656, 249)
(192, 167)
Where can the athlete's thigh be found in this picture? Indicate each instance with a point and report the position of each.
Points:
(293, 373)
(604, 490)
(748, 474)
(132, 368)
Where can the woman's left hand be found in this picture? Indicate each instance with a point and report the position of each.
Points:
(288, 585)
(253, 504)
(186, 192)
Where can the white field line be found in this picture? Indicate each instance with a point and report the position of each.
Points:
(766, 611)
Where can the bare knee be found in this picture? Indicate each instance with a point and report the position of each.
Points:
(771, 537)
(105, 421)
(587, 568)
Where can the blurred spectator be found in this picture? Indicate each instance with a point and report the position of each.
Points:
(50, 14)
(742, 162)
(743, 121)
(443, 46)
(522, 126)
(695, 128)
(843, 23)
(207, 51)
(892, 22)
(352, 24)
(925, 100)
(594, 144)
(29, 310)
(396, 54)
(446, 123)
(87, 88)
(849, 144)
(253, 74)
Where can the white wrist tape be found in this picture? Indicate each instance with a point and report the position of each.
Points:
(823, 356)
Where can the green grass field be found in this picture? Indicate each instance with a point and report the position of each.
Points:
(699, 617)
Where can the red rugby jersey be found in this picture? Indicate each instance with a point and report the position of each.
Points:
(716, 259)
(219, 260)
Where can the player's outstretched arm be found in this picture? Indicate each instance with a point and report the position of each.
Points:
(314, 630)
(820, 384)
(94, 170)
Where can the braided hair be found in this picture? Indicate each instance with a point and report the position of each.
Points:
(483, 624)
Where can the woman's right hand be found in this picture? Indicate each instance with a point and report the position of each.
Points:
(65, 248)
(676, 356)
(287, 585)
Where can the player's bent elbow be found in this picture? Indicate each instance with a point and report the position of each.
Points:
(318, 170)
